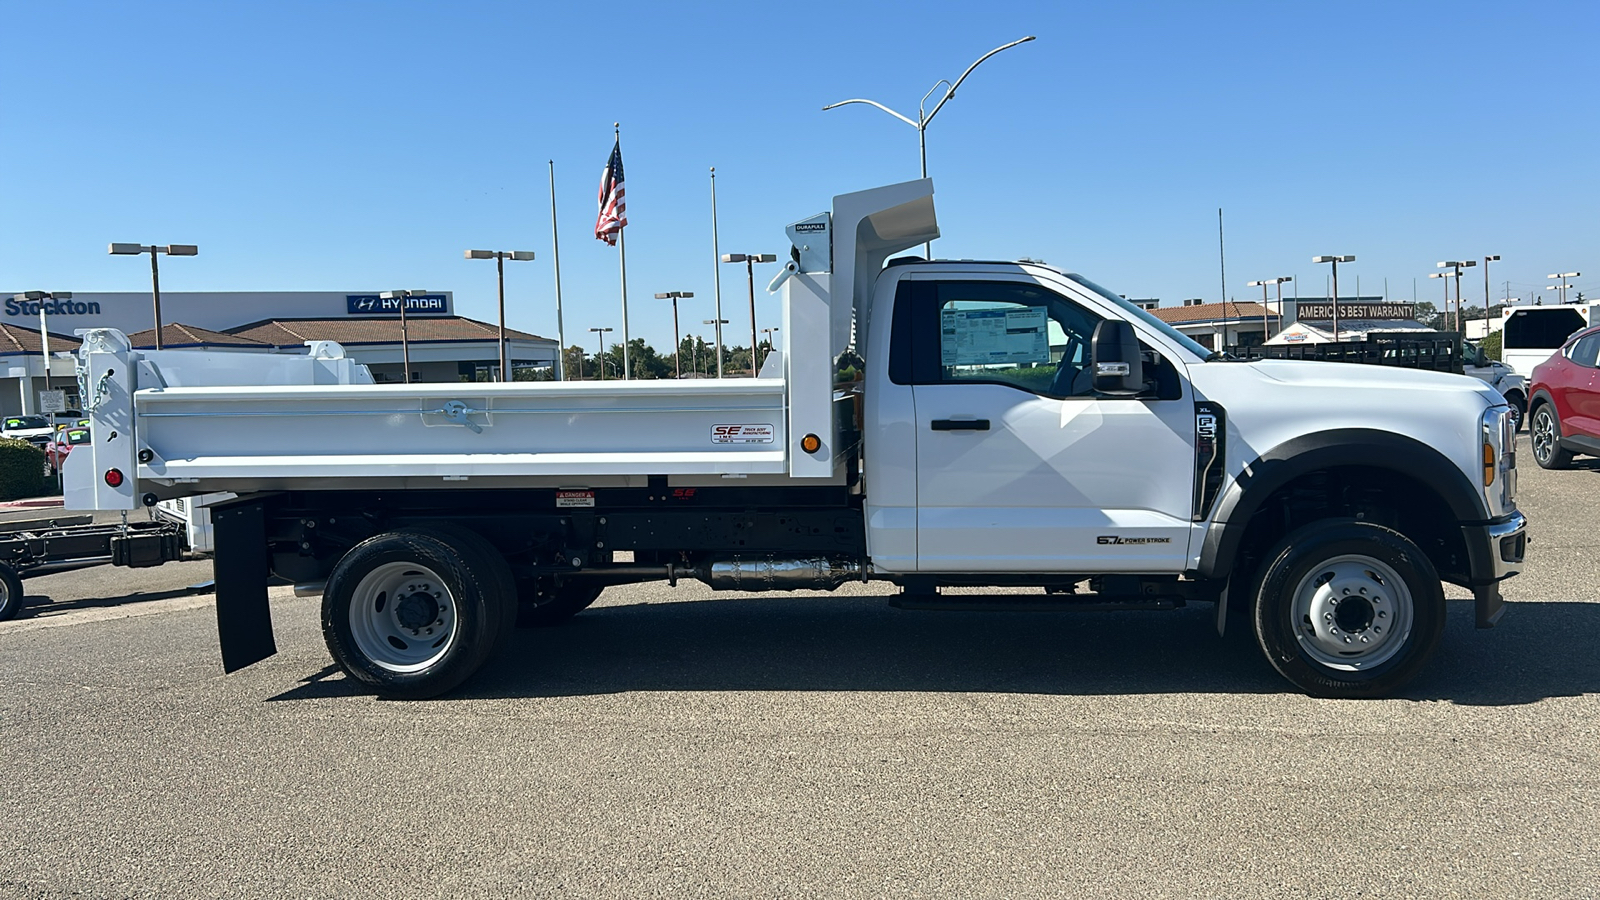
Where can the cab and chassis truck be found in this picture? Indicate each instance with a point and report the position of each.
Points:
(998, 425)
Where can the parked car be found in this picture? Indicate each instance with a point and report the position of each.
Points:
(36, 429)
(67, 417)
(55, 452)
(1499, 376)
(1565, 415)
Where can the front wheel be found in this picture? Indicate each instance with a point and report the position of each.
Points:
(1348, 609)
(1519, 412)
(1545, 436)
(412, 614)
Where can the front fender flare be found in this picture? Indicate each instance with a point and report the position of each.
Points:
(1365, 447)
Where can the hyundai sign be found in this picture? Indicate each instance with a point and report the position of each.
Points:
(374, 305)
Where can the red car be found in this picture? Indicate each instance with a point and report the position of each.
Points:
(55, 452)
(1564, 411)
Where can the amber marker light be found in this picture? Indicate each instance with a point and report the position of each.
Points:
(811, 443)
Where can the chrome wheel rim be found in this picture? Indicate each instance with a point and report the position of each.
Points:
(1544, 435)
(402, 617)
(1352, 613)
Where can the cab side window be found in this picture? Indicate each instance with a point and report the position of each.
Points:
(1014, 334)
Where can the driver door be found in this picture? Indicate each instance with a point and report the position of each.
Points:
(1020, 466)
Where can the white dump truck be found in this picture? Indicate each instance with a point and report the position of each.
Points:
(999, 424)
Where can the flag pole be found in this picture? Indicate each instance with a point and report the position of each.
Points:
(622, 256)
(555, 243)
(716, 270)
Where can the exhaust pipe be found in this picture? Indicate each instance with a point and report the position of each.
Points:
(770, 574)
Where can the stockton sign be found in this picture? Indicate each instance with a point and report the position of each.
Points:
(1351, 309)
(16, 307)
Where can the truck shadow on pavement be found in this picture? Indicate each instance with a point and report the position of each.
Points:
(840, 643)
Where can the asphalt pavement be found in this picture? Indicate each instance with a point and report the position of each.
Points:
(671, 743)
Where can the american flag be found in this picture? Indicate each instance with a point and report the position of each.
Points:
(613, 211)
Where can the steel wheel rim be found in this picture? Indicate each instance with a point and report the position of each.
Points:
(1544, 435)
(402, 617)
(1352, 613)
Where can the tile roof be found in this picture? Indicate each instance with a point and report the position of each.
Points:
(175, 335)
(16, 339)
(1208, 312)
(351, 331)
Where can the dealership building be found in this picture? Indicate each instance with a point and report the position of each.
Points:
(442, 346)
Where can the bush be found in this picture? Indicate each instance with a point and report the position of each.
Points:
(21, 469)
(1490, 345)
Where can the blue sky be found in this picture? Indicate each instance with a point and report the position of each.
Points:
(365, 145)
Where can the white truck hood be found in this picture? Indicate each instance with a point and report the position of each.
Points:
(1271, 402)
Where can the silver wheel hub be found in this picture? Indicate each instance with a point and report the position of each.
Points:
(1352, 613)
(1544, 435)
(402, 617)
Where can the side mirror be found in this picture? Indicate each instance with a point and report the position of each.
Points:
(1114, 356)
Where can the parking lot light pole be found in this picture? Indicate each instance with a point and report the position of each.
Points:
(500, 257)
(1486, 261)
(750, 260)
(717, 324)
(1456, 266)
(40, 297)
(677, 342)
(1265, 325)
(405, 345)
(155, 250)
(601, 358)
(1335, 260)
(770, 347)
(1444, 276)
(1562, 287)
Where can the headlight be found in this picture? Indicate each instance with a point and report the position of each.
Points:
(1498, 453)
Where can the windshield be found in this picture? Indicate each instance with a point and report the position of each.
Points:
(1178, 337)
(16, 422)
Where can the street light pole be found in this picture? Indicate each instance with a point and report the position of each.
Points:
(1444, 276)
(923, 119)
(717, 324)
(600, 358)
(1335, 260)
(749, 260)
(1456, 266)
(677, 342)
(500, 257)
(155, 270)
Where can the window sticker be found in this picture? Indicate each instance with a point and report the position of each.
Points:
(980, 337)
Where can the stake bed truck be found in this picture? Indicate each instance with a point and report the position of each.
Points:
(997, 424)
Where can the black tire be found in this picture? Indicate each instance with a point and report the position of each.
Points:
(11, 594)
(459, 588)
(1544, 436)
(1348, 609)
(541, 605)
(1519, 405)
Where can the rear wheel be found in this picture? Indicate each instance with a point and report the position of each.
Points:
(11, 594)
(1347, 609)
(412, 614)
(1545, 436)
(1519, 411)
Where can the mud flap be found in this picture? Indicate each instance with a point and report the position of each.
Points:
(244, 621)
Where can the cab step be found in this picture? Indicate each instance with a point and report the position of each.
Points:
(1033, 602)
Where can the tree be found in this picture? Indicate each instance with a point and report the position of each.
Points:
(1427, 314)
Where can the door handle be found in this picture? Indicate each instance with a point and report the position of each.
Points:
(960, 424)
